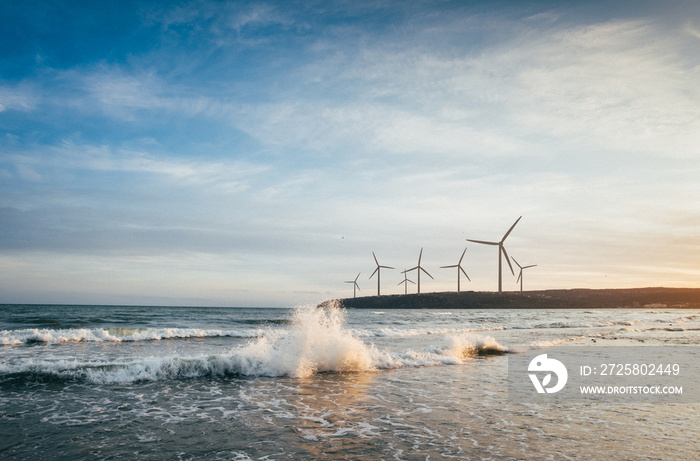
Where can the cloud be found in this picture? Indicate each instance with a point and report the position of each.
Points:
(265, 144)
(618, 86)
(72, 157)
(135, 97)
(19, 97)
(258, 15)
(692, 31)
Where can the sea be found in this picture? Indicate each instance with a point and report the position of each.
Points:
(304, 383)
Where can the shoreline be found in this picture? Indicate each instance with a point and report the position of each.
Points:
(576, 298)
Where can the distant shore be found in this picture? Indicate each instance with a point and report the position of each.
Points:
(577, 298)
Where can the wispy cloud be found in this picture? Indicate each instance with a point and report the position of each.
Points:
(72, 157)
(292, 140)
(19, 97)
(620, 85)
(692, 30)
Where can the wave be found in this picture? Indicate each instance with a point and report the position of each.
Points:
(116, 335)
(408, 332)
(317, 342)
(74, 335)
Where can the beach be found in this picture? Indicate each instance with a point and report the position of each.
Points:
(116, 382)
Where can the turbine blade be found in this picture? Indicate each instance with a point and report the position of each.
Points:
(375, 271)
(483, 242)
(412, 281)
(409, 270)
(447, 267)
(358, 276)
(520, 275)
(427, 273)
(465, 274)
(534, 265)
(358, 286)
(460, 259)
(386, 267)
(505, 253)
(511, 229)
(516, 262)
(420, 255)
(375, 258)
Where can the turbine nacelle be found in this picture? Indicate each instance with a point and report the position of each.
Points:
(355, 285)
(405, 281)
(459, 268)
(520, 274)
(418, 269)
(501, 251)
(377, 271)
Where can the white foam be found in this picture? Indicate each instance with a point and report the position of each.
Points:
(315, 342)
(116, 335)
(411, 332)
(457, 351)
(555, 342)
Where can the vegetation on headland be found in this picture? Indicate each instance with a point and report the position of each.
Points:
(578, 298)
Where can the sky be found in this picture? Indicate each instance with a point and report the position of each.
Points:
(256, 153)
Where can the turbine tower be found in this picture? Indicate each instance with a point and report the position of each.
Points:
(501, 251)
(405, 281)
(418, 268)
(520, 275)
(378, 272)
(355, 286)
(459, 269)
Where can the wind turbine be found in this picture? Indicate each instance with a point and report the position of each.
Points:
(418, 268)
(459, 269)
(378, 272)
(520, 275)
(405, 281)
(355, 286)
(501, 251)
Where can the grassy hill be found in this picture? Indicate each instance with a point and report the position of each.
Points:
(546, 299)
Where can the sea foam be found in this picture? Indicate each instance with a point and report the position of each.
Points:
(114, 335)
(316, 341)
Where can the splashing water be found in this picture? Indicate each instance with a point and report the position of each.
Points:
(316, 342)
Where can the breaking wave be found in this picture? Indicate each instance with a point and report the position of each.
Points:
(409, 332)
(316, 342)
(72, 335)
(115, 335)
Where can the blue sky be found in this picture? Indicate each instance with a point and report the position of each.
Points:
(256, 153)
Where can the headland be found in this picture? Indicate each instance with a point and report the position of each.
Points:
(577, 298)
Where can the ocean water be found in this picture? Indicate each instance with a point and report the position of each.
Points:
(120, 382)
